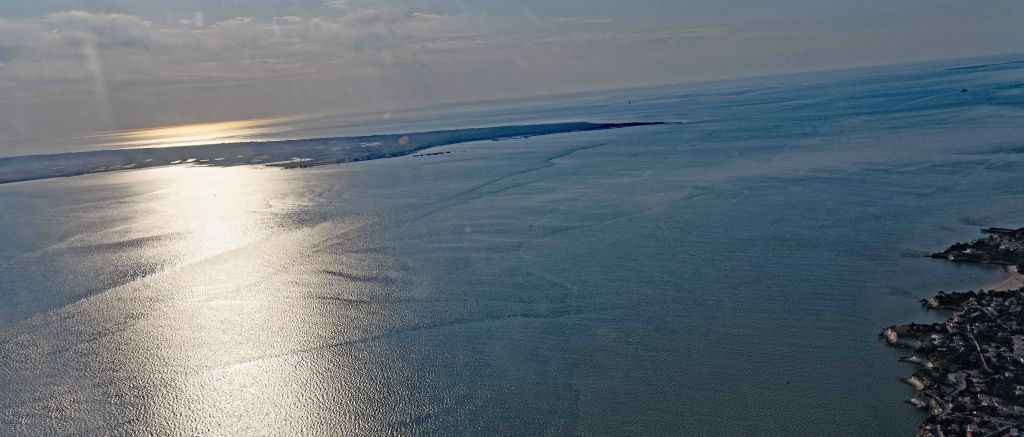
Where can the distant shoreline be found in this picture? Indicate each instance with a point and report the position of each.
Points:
(283, 153)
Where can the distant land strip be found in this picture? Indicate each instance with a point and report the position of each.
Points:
(974, 67)
(284, 153)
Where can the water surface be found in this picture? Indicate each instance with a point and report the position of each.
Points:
(724, 276)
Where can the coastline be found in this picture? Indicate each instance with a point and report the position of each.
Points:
(298, 153)
(969, 373)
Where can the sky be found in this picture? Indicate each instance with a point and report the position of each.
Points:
(74, 68)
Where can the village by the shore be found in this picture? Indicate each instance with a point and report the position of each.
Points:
(970, 375)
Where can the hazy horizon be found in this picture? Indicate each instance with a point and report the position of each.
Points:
(295, 126)
(75, 68)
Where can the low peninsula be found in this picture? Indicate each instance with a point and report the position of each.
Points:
(970, 375)
(283, 153)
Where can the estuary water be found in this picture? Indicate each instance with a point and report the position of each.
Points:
(727, 275)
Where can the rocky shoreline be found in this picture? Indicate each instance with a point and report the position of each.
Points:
(970, 374)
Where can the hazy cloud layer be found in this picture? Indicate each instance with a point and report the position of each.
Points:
(55, 49)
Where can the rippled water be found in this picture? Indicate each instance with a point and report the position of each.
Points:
(725, 276)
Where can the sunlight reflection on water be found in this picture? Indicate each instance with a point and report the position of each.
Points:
(212, 342)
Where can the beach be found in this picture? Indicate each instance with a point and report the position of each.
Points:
(1013, 280)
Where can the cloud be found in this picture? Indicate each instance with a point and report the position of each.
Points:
(105, 30)
(583, 20)
(53, 48)
(342, 5)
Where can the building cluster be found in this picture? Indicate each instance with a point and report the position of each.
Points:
(1002, 246)
(971, 368)
(971, 375)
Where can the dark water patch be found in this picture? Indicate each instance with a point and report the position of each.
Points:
(355, 277)
(1007, 149)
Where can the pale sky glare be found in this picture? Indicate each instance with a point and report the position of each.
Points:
(72, 68)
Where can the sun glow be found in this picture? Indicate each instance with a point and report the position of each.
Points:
(197, 134)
